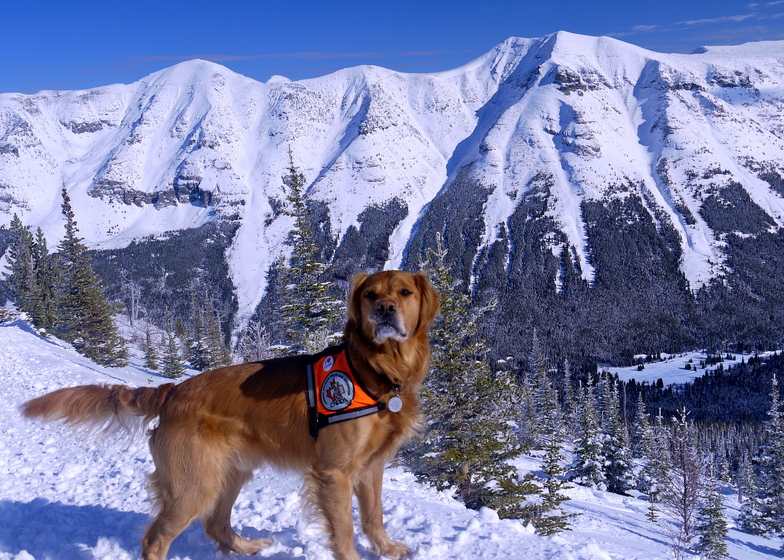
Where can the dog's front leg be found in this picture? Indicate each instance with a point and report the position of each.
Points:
(368, 491)
(332, 491)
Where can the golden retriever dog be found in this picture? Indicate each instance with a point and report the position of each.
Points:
(216, 427)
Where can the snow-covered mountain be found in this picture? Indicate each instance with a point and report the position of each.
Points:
(565, 118)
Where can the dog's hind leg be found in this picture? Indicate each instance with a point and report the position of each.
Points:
(159, 536)
(185, 484)
(367, 488)
(217, 523)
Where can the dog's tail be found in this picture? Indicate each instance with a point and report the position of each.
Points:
(106, 408)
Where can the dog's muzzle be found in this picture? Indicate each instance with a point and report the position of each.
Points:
(388, 322)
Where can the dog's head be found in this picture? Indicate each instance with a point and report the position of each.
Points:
(391, 305)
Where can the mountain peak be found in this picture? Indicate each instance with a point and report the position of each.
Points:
(192, 72)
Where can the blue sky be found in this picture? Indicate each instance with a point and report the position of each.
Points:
(57, 44)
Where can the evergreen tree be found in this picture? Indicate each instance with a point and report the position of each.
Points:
(20, 273)
(527, 422)
(197, 353)
(537, 360)
(587, 466)
(659, 461)
(619, 465)
(552, 420)
(682, 491)
(551, 517)
(654, 452)
(150, 353)
(206, 347)
(642, 426)
(86, 317)
(770, 466)
(543, 394)
(310, 314)
(751, 518)
(724, 467)
(711, 524)
(217, 350)
(570, 408)
(468, 439)
(172, 364)
(44, 301)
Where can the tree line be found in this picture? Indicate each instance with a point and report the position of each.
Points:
(589, 430)
(61, 293)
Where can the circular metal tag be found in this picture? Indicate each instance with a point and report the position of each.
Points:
(395, 404)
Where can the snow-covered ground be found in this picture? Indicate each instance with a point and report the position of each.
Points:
(66, 498)
(672, 368)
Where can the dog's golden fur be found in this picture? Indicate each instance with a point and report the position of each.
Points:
(216, 427)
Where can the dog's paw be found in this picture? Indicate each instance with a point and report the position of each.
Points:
(253, 546)
(395, 549)
(242, 545)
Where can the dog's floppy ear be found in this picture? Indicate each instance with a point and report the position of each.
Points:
(354, 320)
(429, 301)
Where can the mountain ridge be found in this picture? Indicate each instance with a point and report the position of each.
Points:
(571, 119)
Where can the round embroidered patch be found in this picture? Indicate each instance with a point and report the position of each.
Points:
(337, 391)
(329, 361)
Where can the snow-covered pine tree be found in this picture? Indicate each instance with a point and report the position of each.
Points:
(587, 466)
(544, 395)
(468, 439)
(682, 492)
(656, 461)
(20, 272)
(172, 364)
(217, 351)
(537, 359)
(643, 444)
(86, 317)
(44, 301)
(712, 525)
(751, 518)
(619, 465)
(570, 408)
(724, 467)
(196, 349)
(310, 314)
(770, 466)
(527, 431)
(206, 347)
(150, 353)
(641, 426)
(551, 518)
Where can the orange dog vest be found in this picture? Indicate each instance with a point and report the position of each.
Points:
(334, 392)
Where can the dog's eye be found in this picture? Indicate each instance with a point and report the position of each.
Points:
(405, 292)
(371, 296)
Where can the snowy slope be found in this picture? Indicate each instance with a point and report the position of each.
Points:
(597, 117)
(672, 369)
(65, 498)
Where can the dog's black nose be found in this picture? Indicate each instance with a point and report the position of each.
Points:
(386, 308)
